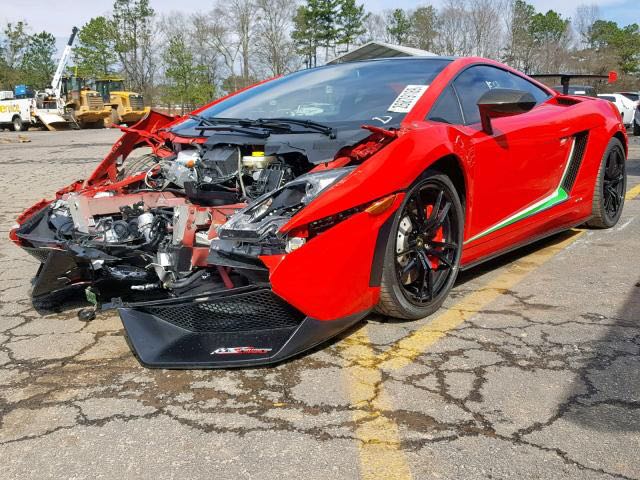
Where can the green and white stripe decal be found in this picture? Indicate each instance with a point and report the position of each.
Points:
(558, 196)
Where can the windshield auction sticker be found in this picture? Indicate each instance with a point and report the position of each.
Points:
(407, 98)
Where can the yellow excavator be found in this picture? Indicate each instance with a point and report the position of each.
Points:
(126, 107)
(85, 105)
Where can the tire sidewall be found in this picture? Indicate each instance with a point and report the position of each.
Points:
(608, 221)
(389, 277)
(17, 124)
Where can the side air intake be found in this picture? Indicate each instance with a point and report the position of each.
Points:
(575, 161)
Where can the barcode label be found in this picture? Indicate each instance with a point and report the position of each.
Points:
(408, 98)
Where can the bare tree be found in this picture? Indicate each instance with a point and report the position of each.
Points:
(212, 26)
(242, 14)
(189, 62)
(586, 16)
(274, 48)
(375, 29)
(454, 29)
(204, 52)
(135, 33)
(485, 29)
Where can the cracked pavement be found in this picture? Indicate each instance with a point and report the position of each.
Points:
(542, 381)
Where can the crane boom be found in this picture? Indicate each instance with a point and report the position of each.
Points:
(56, 83)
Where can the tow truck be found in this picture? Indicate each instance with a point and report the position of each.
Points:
(23, 108)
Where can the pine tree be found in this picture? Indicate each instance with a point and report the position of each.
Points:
(38, 65)
(351, 20)
(94, 55)
(399, 26)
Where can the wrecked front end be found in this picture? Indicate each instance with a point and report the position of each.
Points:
(145, 234)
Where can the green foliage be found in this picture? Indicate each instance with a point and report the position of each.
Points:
(350, 21)
(188, 85)
(326, 23)
(623, 43)
(424, 27)
(12, 48)
(15, 44)
(132, 33)
(38, 65)
(519, 50)
(305, 33)
(548, 28)
(399, 26)
(94, 54)
(235, 82)
(326, 16)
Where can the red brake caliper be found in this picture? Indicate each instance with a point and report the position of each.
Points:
(438, 237)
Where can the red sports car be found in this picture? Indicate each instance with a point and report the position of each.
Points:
(269, 221)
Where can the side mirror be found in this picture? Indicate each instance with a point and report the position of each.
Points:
(503, 102)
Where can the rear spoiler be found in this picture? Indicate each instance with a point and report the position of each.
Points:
(565, 78)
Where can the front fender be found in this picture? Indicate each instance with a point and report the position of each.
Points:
(392, 169)
(143, 133)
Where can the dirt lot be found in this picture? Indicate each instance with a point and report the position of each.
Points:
(531, 371)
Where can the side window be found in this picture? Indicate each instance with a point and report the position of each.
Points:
(475, 81)
(447, 108)
(520, 83)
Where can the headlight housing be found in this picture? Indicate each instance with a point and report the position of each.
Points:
(271, 211)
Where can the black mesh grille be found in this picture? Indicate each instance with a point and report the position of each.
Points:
(252, 311)
(41, 254)
(575, 161)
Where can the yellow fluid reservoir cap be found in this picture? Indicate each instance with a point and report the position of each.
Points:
(257, 154)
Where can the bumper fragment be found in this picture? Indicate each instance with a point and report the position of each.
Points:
(242, 329)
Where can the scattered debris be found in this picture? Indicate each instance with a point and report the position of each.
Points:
(18, 139)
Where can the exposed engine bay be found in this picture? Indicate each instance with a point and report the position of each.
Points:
(151, 226)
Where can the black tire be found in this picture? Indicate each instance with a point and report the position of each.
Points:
(16, 123)
(610, 187)
(114, 119)
(402, 291)
(131, 166)
(636, 129)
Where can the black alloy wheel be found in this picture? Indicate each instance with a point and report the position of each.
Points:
(424, 250)
(614, 183)
(610, 187)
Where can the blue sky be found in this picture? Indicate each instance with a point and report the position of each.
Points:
(59, 16)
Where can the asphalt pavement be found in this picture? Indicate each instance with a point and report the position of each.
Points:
(530, 370)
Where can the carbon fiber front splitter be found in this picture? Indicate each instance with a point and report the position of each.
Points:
(169, 342)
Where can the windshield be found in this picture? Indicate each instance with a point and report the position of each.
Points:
(359, 92)
(632, 96)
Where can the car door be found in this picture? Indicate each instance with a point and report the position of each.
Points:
(518, 168)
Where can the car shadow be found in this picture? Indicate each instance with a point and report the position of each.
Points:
(611, 375)
(503, 260)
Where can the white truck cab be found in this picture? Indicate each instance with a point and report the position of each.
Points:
(16, 114)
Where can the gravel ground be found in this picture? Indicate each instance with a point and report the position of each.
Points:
(531, 371)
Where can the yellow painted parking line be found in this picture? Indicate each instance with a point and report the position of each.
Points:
(381, 455)
(379, 444)
(633, 193)
(409, 348)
